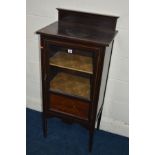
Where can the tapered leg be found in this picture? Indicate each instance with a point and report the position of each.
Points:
(45, 126)
(91, 135)
(99, 120)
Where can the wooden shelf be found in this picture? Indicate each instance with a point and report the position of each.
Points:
(73, 62)
(70, 84)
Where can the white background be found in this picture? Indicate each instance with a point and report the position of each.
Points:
(116, 108)
(13, 77)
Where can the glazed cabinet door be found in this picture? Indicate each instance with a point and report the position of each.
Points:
(70, 78)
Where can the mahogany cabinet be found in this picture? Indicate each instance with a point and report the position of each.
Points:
(75, 55)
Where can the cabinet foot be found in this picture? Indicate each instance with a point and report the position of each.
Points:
(91, 135)
(45, 127)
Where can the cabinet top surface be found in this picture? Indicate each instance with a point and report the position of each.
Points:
(80, 26)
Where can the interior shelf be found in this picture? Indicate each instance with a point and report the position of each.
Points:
(71, 85)
(73, 62)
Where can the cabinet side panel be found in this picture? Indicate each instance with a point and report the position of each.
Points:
(105, 71)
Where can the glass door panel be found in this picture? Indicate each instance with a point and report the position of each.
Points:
(71, 70)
